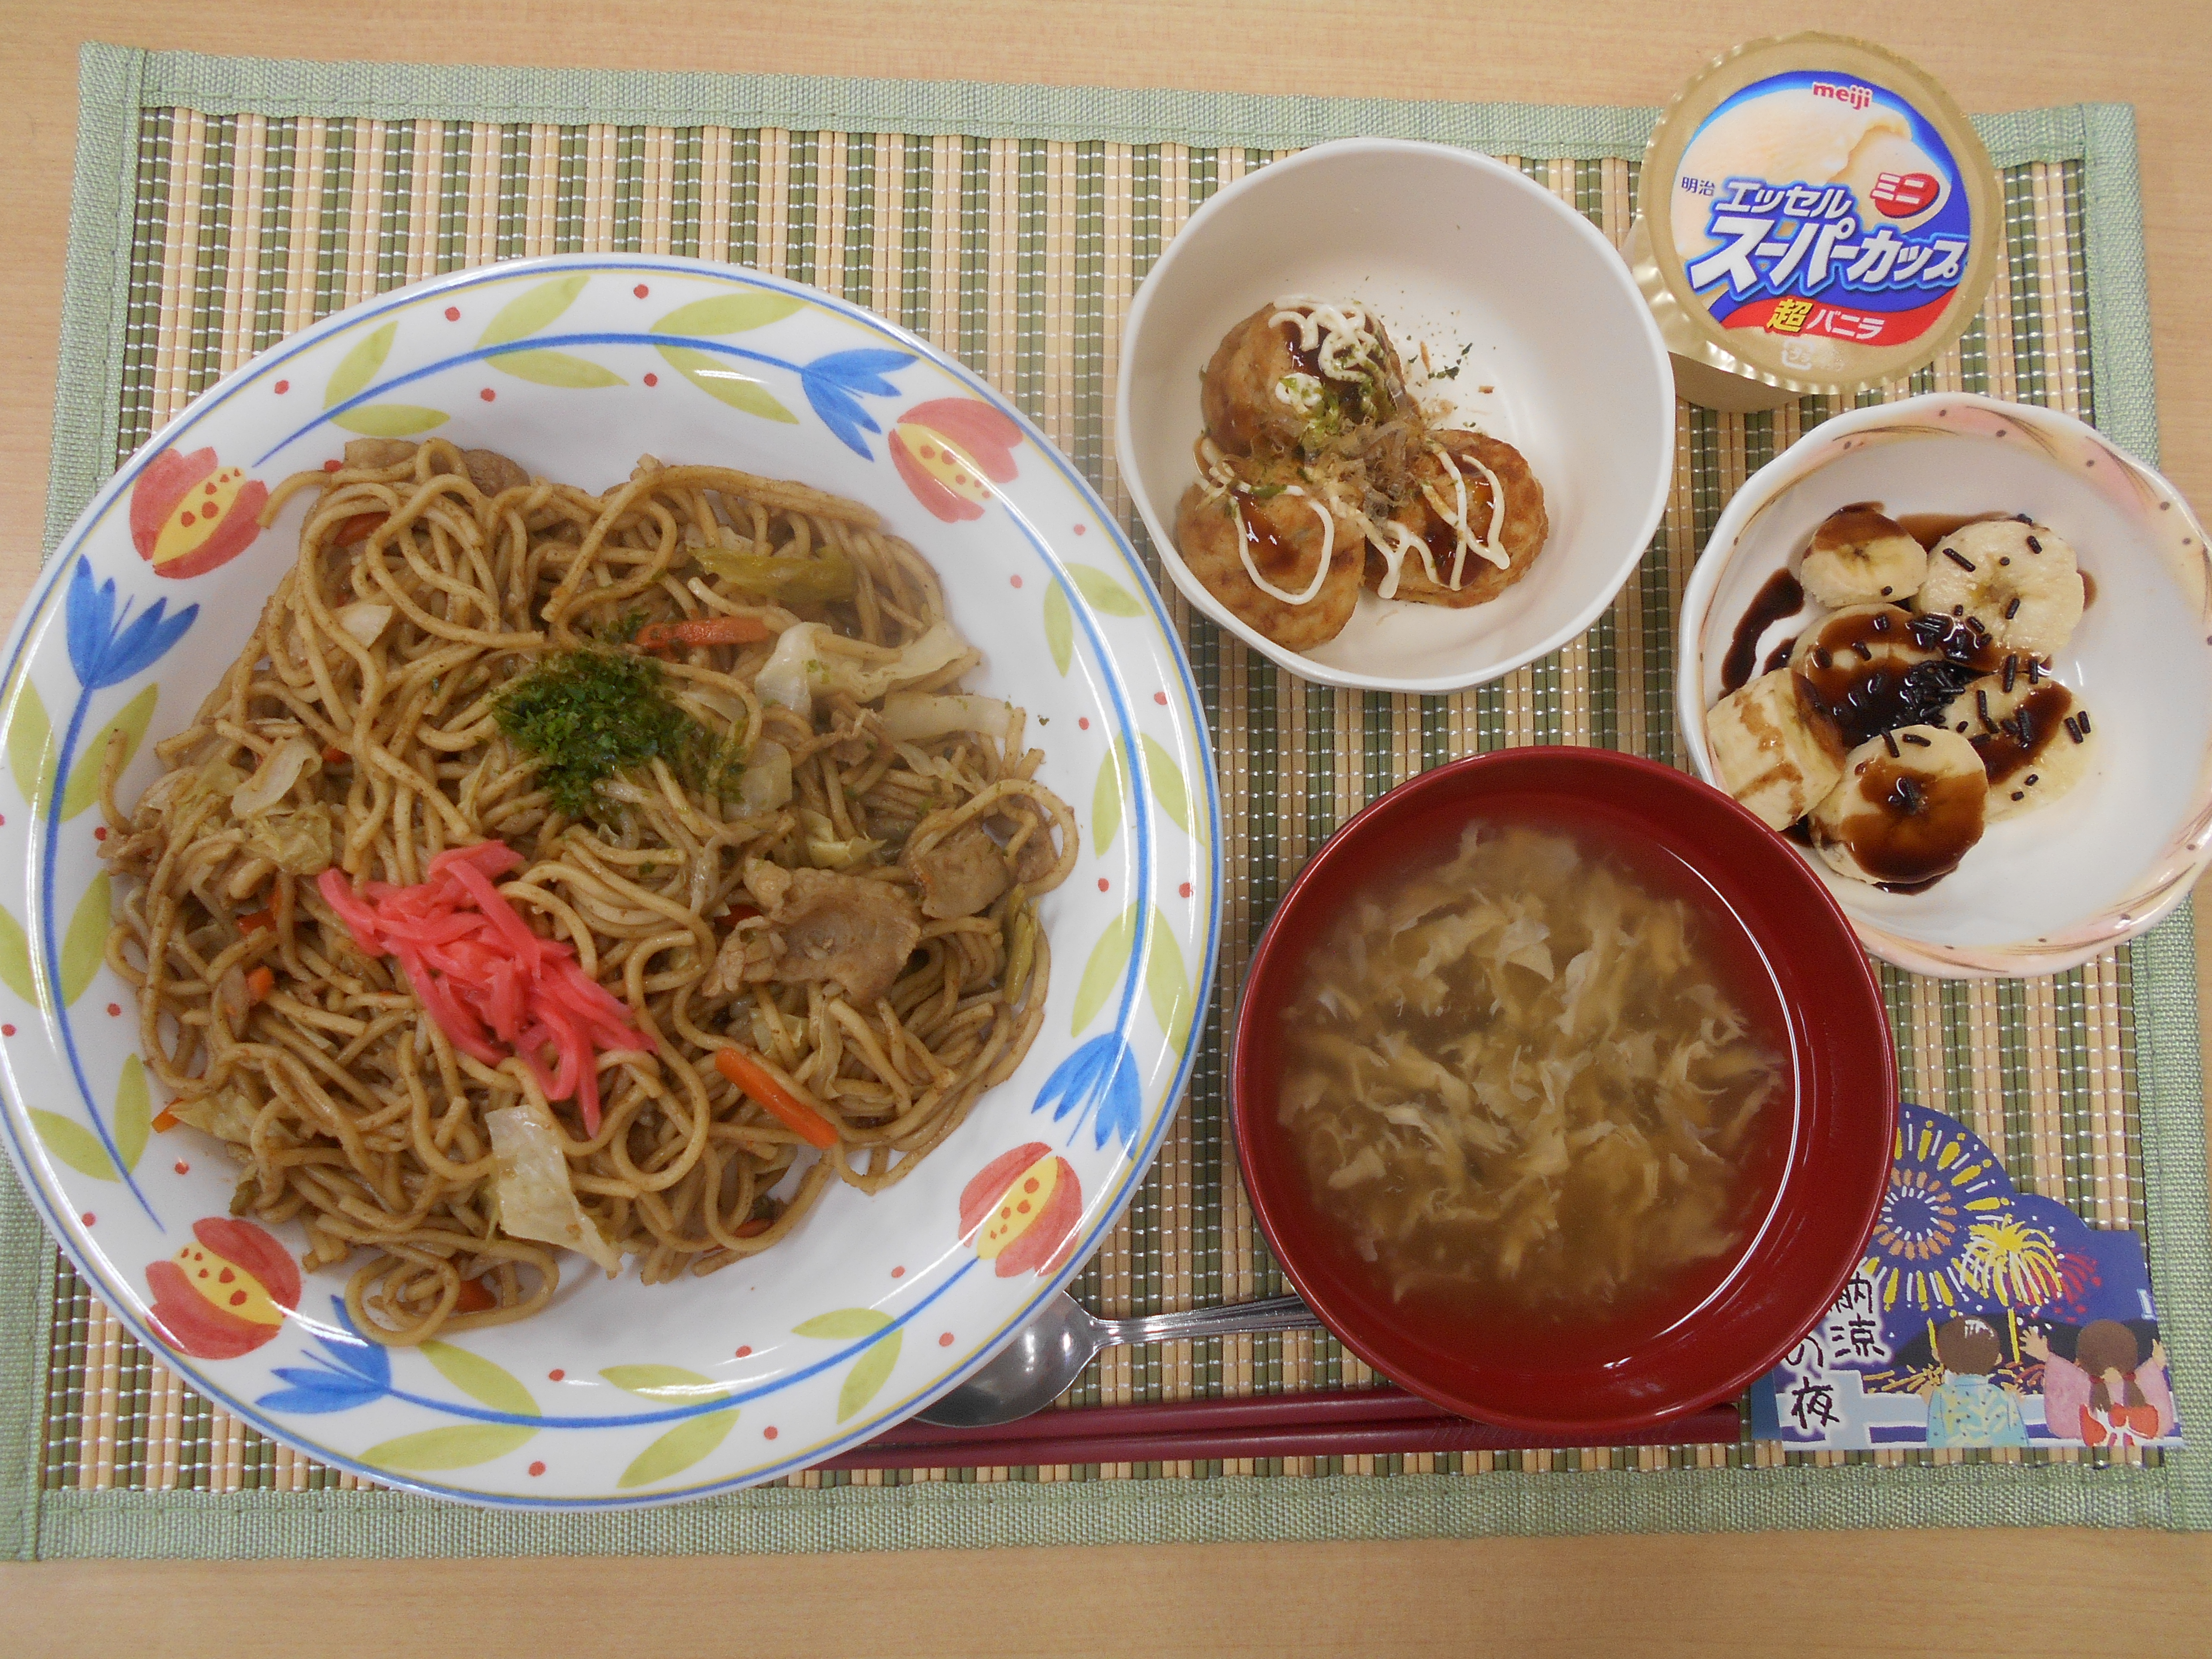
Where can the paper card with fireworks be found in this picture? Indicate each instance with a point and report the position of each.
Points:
(1981, 1316)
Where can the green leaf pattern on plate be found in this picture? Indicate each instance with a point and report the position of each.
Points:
(665, 1383)
(483, 1381)
(459, 1446)
(713, 376)
(843, 1325)
(130, 725)
(1103, 593)
(869, 1374)
(1167, 782)
(84, 947)
(354, 372)
(1108, 957)
(533, 309)
(1106, 798)
(1059, 628)
(555, 368)
(30, 744)
(15, 959)
(1167, 983)
(678, 1449)
(134, 1112)
(728, 313)
(75, 1144)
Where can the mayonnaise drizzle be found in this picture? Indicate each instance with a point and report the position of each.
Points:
(1463, 538)
(1327, 549)
(1342, 334)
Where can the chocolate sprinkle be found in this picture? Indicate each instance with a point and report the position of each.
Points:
(1958, 610)
(1863, 649)
(2020, 794)
(1958, 558)
(1962, 726)
(1982, 708)
(2034, 670)
(2022, 517)
(1882, 621)
(1885, 592)
(1916, 740)
(2011, 668)
(2083, 715)
(2034, 545)
(2032, 778)
(2005, 558)
(1890, 742)
(2073, 731)
(1821, 659)
(1908, 794)
(2013, 610)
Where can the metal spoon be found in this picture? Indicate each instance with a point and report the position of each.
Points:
(1050, 1352)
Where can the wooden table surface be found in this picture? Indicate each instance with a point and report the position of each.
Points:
(1763, 1592)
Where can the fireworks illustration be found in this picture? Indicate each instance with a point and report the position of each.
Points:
(1943, 1182)
(2012, 1261)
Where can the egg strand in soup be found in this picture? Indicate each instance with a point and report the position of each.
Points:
(1518, 1075)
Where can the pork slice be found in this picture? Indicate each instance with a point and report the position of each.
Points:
(491, 471)
(961, 874)
(846, 930)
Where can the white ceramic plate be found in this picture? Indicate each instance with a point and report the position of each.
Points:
(1510, 289)
(617, 1394)
(2051, 888)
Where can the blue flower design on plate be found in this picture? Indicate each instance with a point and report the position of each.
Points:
(1098, 1081)
(831, 383)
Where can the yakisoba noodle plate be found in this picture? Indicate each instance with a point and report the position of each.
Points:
(862, 1305)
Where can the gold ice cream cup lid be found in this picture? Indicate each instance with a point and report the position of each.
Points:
(1815, 216)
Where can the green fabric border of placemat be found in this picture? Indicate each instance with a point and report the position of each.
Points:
(118, 83)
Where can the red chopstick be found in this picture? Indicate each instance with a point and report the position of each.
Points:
(1359, 1423)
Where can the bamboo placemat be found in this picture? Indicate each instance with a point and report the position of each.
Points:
(223, 204)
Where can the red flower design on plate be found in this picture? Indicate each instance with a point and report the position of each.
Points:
(225, 1293)
(1022, 1210)
(950, 452)
(189, 515)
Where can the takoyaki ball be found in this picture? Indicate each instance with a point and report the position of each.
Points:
(1286, 536)
(1520, 538)
(1266, 394)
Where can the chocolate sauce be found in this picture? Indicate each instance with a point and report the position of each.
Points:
(2088, 589)
(1779, 657)
(2019, 742)
(1873, 671)
(1800, 832)
(1781, 597)
(1907, 829)
(1930, 528)
(1854, 526)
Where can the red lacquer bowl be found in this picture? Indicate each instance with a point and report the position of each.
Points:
(1833, 1164)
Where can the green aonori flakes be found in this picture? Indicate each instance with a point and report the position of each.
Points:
(589, 715)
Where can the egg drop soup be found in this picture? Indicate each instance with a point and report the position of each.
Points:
(1541, 1084)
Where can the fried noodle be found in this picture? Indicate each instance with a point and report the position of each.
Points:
(360, 731)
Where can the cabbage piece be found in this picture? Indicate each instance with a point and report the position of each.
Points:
(825, 851)
(280, 769)
(532, 1190)
(918, 716)
(223, 1114)
(299, 840)
(364, 620)
(766, 784)
(799, 667)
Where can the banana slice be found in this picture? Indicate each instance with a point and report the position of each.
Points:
(1910, 805)
(1869, 672)
(1773, 750)
(2035, 739)
(1861, 556)
(2019, 580)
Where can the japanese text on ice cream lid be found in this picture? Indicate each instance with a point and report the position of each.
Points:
(1818, 214)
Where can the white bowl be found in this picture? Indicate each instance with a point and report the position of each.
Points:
(2051, 888)
(1486, 268)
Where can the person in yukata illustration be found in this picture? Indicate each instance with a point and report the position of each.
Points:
(2111, 1390)
(1966, 1408)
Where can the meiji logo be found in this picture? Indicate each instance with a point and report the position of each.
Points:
(1856, 96)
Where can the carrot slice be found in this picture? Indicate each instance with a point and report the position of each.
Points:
(358, 528)
(752, 1229)
(254, 921)
(334, 755)
(757, 1080)
(703, 630)
(259, 984)
(167, 1119)
(474, 1298)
